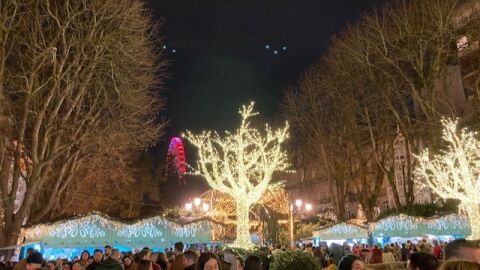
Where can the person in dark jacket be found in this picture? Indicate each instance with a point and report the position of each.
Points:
(422, 261)
(112, 262)
(404, 252)
(97, 260)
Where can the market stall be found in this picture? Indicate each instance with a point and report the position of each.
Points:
(402, 227)
(341, 232)
(71, 236)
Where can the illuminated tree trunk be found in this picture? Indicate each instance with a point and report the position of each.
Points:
(473, 211)
(243, 227)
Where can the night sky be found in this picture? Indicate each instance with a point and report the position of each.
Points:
(219, 58)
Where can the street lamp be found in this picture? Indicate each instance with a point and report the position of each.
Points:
(307, 207)
(205, 207)
(197, 201)
(298, 203)
(197, 206)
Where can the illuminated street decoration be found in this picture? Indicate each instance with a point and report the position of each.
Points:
(96, 229)
(397, 223)
(74, 229)
(454, 173)
(342, 231)
(136, 230)
(241, 164)
(451, 222)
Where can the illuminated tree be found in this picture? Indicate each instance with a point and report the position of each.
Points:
(454, 173)
(241, 164)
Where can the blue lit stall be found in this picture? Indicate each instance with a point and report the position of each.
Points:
(402, 227)
(68, 238)
(341, 232)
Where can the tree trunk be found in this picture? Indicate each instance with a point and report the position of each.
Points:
(473, 211)
(393, 186)
(9, 238)
(243, 227)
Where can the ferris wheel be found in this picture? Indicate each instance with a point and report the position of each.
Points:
(176, 160)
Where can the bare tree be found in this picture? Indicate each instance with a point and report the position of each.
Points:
(385, 76)
(78, 78)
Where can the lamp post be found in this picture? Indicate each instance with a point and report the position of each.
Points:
(196, 206)
(301, 208)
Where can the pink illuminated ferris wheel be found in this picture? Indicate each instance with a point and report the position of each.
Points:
(176, 159)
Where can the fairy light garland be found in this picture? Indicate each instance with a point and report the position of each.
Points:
(397, 223)
(454, 173)
(95, 226)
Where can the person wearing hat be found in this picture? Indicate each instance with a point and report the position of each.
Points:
(34, 261)
(351, 262)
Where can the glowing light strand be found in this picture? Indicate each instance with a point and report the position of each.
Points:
(241, 164)
(454, 173)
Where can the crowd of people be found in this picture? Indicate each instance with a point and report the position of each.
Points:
(375, 254)
(456, 255)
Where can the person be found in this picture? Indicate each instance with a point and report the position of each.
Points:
(128, 262)
(437, 251)
(404, 253)
(51, 265)
(145, 265)
(162, 260)
(67, 266)
(460, 265)
(59, 264)
(108, 252)
(153, 258)
(331, 264)
(208, 261)
(21, 265)
(34, 261)
(112, 262)
(376, 255)
(337, 253)
(422, 261)
(190, 260)
(85, 259)
(240, 263)
(424, 246)
(77, 266)
(253, 263)
(387, 255)
(117, 255)
(356, 250)
(97, 260)
(351, 262)
(462, 249)
(178, 261)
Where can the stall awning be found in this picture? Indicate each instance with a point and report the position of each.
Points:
(342, 231)
(97, 230)
(407, 226)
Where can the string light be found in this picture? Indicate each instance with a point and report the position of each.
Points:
(96, 226)
(396, 223)
(454, 173)
(241, 164)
